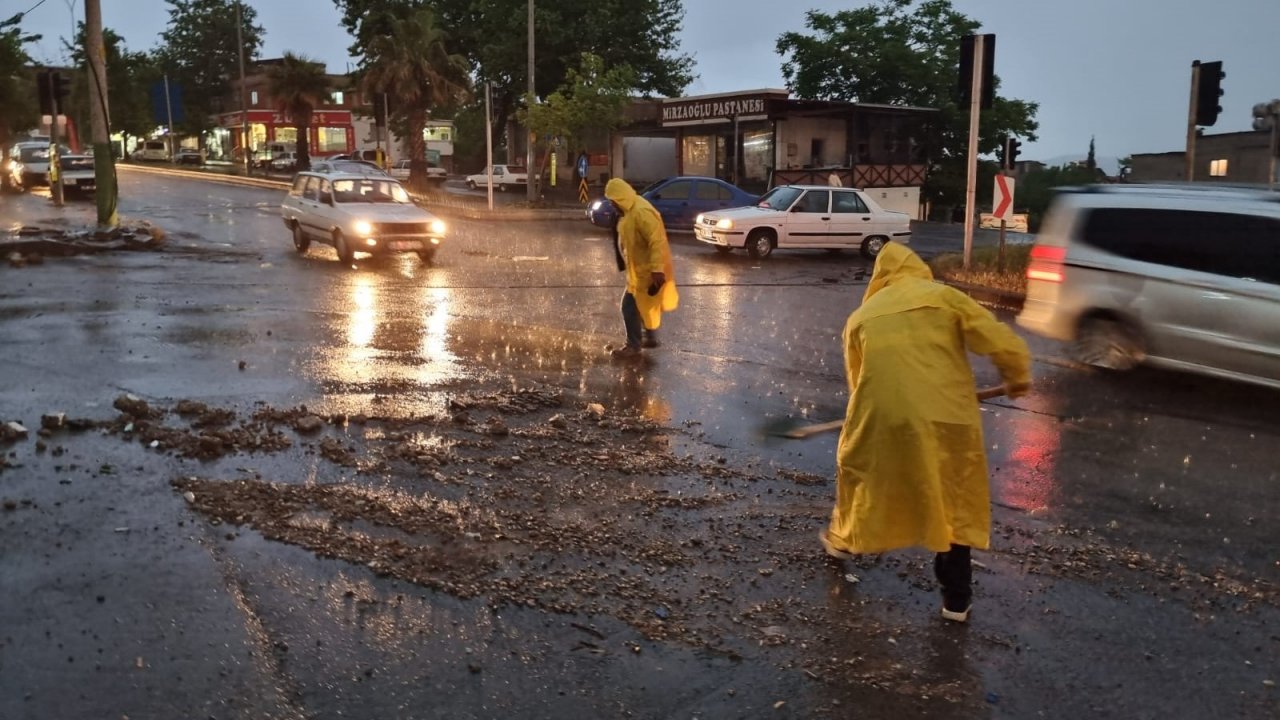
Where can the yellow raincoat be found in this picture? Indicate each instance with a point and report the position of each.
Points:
(645, 250)
(911, 466)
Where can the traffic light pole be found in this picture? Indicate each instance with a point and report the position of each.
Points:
(1191, 122)
(55, 162)
(971, 185)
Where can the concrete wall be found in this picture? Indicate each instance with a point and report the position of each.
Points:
(800, 132)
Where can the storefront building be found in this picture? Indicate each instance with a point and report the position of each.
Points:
(331, 132)
(762, 138)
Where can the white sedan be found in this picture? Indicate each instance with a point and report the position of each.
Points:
(805, 216)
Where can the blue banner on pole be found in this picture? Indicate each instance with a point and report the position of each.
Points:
(160, 105)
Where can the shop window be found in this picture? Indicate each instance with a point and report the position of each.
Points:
(698, 156)
(757, 154)
(337, 98)
(287, 135)
(1218, 168)
(331, 139)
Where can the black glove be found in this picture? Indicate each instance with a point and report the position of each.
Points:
(656, 281)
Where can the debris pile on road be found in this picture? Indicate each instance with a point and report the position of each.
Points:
(30, 245)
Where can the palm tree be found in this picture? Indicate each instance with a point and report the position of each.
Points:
(298, 85)
(412, 65)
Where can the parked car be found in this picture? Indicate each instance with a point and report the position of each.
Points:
(152, 151)
(354, 212)
(1182, 277)
(805, 216)
(679, 200)
(504, 176)
(189, 156)
(284, 162)
(78, 173)
(435, 175)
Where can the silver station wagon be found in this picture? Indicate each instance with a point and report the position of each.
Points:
(359, 213)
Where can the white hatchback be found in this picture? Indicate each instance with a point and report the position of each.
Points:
(805, 216)
(359, 213)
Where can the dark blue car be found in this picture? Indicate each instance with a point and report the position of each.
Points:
(679, 200)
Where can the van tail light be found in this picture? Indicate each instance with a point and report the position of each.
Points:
(1046, 263)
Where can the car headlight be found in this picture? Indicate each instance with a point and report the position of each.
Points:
(724, 224)
(597, 205)
(363, 227)
(698, 220)
(437, 227)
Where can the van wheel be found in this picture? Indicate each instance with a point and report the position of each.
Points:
(345, 254)
(1108, 344)
(760, 244)
(872, 246)
(502, 188)
(471, 185)
(300, 240)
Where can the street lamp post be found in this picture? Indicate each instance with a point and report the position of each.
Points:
(531, 192)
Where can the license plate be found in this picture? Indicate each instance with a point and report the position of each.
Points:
(704, 234)
(405, 245)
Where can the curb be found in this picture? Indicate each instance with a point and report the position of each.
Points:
(442, 208)
(994, 297)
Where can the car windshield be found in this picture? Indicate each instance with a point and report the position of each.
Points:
(39, 153)
(368, 191)
(779, 198)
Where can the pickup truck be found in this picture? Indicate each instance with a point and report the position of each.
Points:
(504, 176)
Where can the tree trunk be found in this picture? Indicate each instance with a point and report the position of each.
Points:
(304, 141)
(417, 150)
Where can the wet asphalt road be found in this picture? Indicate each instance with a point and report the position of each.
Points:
(1134, 569)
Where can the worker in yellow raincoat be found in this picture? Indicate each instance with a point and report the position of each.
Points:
(911, 466)
(646, 258)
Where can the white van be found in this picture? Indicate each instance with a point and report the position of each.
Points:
(153, 151)
(1180, 276)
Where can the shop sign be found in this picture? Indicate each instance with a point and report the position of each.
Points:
(720, 108)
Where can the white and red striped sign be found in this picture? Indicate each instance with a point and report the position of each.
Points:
(1002, 198)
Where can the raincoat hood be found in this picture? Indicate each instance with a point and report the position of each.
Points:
(621, 193)
(895, 262)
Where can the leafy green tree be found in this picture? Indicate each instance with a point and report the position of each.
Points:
(129, 79)
(592, 99)
(902, 52)
(1036, 189)
(19, 109)
(200, 52)
(412, 64)
(298, 86)
(639, 34)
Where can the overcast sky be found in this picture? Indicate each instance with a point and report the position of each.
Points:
(1117, 69)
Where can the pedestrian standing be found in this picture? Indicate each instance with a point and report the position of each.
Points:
(645, 257)
(911, 467)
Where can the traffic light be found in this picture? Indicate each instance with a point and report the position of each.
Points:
(1209, 92)
(988, 70)
(1011, 155)
(44, 90)
(61, 85)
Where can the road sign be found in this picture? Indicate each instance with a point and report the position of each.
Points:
(582, 191)
(1002, 198)
(582, 166)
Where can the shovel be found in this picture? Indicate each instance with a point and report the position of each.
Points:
(800, 433)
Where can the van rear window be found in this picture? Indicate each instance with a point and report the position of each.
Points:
(1231, 244)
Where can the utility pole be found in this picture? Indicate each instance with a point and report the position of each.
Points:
(168, 108)
(104, 170)
(531, 192)
(1190, 172)
(244, 93)
(488, 137)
